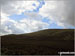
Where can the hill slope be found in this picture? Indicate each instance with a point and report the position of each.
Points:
(50, 41)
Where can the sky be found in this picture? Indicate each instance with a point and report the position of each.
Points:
(22, 16)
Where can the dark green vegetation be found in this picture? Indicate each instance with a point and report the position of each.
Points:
(45, 42)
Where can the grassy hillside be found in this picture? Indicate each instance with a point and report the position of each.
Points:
(45, 42)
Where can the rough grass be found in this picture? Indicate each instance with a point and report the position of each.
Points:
(45, 42)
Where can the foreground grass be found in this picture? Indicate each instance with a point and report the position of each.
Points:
(46, 42)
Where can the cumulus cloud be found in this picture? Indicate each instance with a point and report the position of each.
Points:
(60, 11)
(34, 25)
(33, 15)
(27, 25)
(10, 26)
(16, 6)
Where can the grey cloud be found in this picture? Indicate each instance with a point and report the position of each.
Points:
(63, 12)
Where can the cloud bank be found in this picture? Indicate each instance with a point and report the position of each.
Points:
(61, 12)
(25, 25)
(16, 6)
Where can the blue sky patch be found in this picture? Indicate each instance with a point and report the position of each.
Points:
(18, 17)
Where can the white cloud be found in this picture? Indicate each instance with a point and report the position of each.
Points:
(61, 11)
(27, 25)
(23, 26)
(33, 15)
(10, 26)
(33, 25)
(16, 7)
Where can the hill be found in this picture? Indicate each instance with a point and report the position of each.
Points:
(44, 42)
